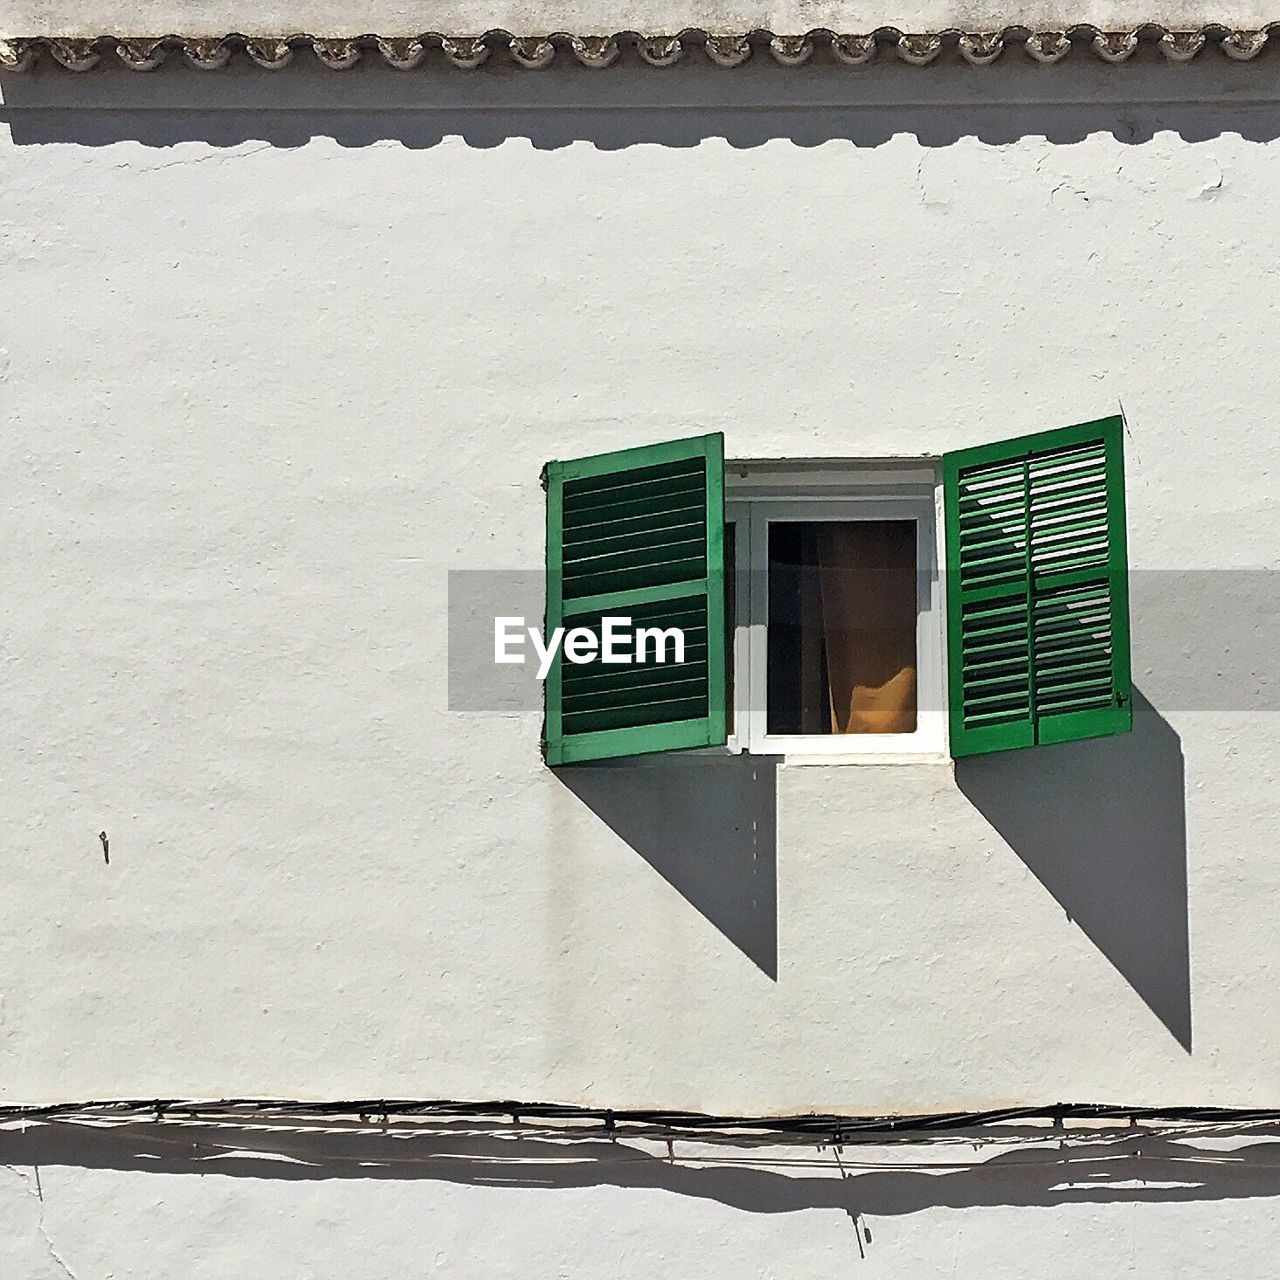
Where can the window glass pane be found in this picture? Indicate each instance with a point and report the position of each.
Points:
(842, 627)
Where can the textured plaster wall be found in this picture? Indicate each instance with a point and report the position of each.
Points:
(281, 351)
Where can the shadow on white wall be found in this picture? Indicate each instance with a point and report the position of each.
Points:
(1103, 826)
(629, 105)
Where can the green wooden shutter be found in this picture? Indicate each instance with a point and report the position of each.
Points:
(637, 534)
(1037, 589)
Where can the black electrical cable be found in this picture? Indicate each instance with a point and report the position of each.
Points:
(823, 1127)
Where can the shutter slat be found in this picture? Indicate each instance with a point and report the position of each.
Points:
(651, 575)
(689, 510)
(1072, 675)
(579, 675)
(1012, 701)
(988, 632)
(993, 719)
(994, 607)
(1064, 464)
(1053, 481)
(1008, 501)
(651, 502)
(1078, 533)
(979, 541)
(658, 711)
(1012, 659)
(981, 565)
(1091, 504)
(668, 478)
(1014, 682)
(985, 632)
(615, 539)
(683, 550)
(662, 689)
(613, 679)
(1053, 648)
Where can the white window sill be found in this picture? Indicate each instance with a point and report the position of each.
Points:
(789, 760)
(852, 758)
(826, 759)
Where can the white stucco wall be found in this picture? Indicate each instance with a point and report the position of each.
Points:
(282, 351)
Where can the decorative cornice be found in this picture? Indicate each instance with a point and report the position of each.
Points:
(724, 49)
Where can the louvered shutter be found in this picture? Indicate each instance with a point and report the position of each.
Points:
(637, 534)
(1037, 589)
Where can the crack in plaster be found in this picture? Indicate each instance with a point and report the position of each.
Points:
(219, 156)
(31, 1184)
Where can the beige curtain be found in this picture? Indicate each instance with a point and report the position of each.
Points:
(867, 584)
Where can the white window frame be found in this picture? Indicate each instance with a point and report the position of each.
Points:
(759, 494)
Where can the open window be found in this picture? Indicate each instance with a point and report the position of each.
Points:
(838, 628)
(815, 615)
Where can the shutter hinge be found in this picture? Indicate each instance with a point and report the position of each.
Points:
(1121, 699)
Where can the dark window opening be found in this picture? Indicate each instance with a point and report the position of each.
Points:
(842, 627)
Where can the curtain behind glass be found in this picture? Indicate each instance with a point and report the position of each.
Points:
(867, 578)
(842, 627)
